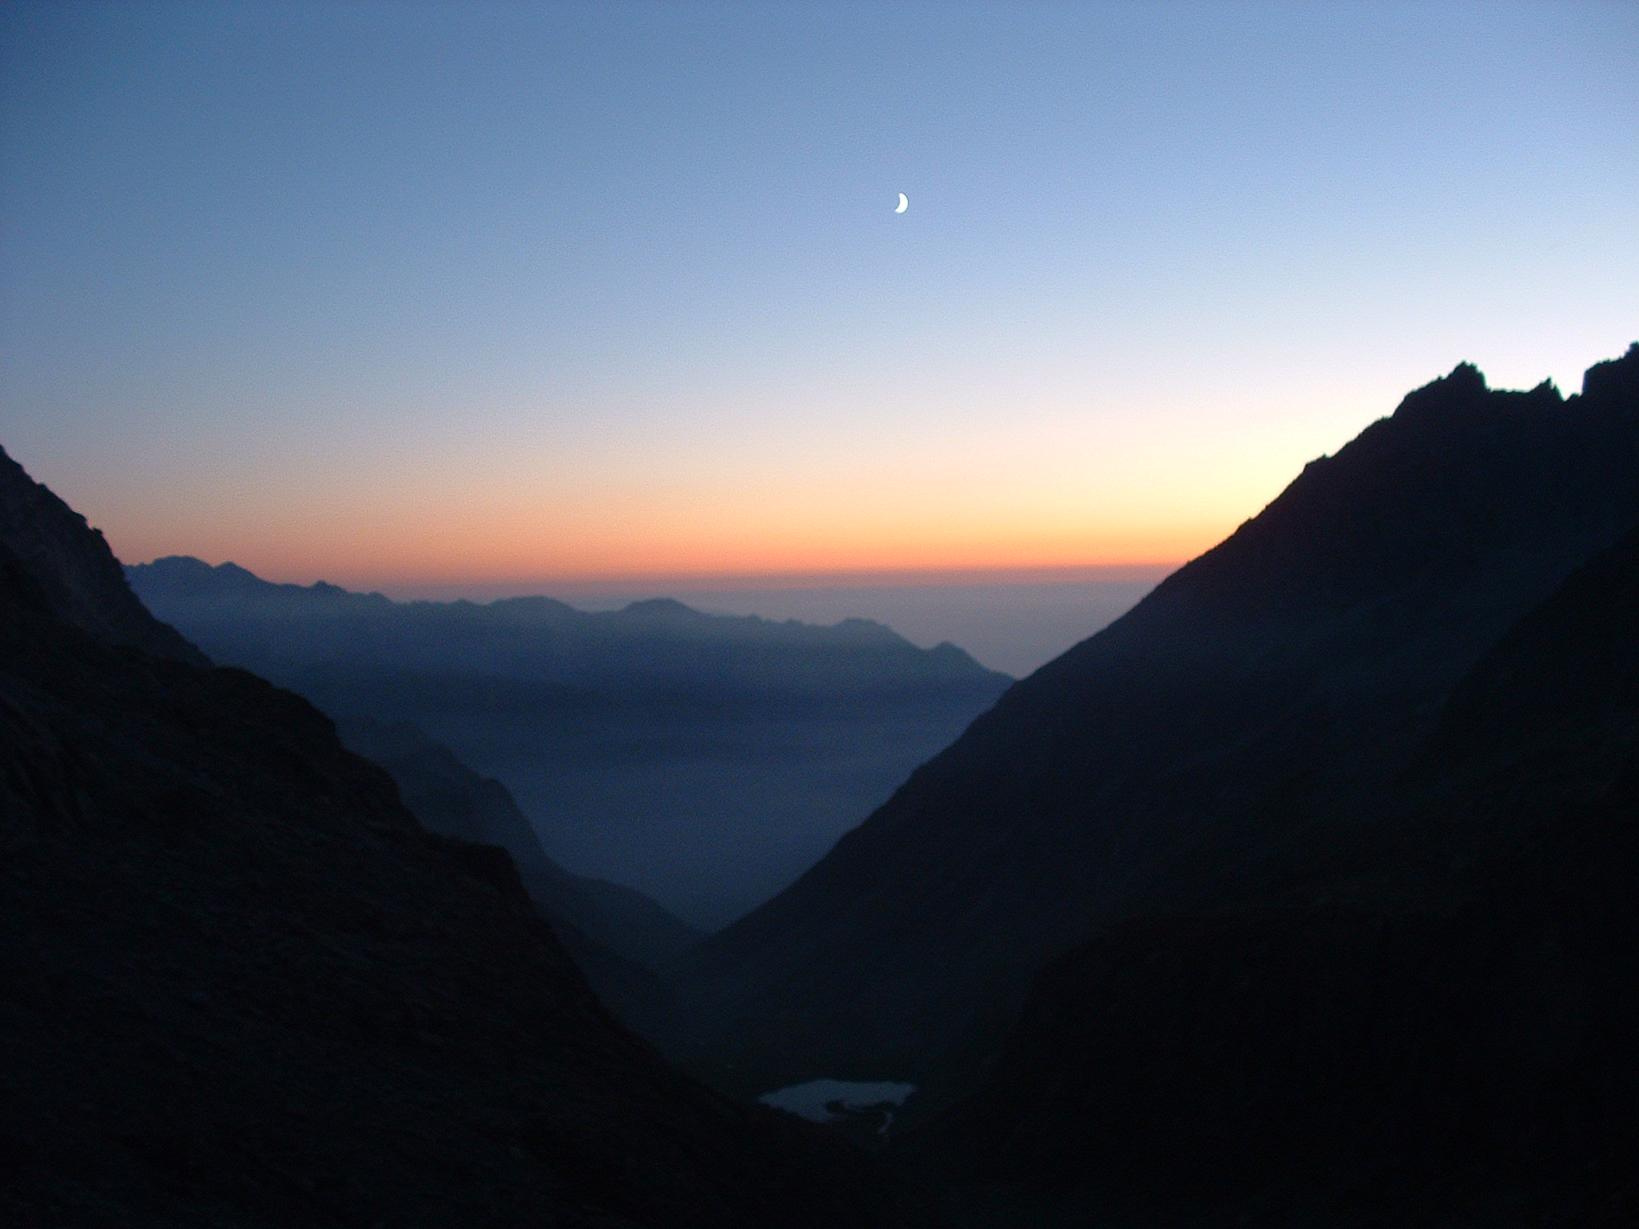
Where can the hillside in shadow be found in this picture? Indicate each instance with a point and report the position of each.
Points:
(1429, 1025)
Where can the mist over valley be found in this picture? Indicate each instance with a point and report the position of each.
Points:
(704, 760)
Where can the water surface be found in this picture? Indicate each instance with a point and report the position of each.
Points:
(831, 1101)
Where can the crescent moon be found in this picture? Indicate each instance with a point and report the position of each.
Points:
(903, 205)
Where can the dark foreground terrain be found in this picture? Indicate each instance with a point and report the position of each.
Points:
(1432, 1025)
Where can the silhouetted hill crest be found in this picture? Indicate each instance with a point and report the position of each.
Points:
(186, 574)
(870, 629)
(1465, 383)
(179, 569)
(533, 606)
(1457, 469)
(552, 639)
(1616, 379)
(69, 564)
(659, 608)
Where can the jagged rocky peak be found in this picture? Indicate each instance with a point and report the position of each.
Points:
(1465, 391)
(1464, 387)
(70, 566)
(1467, 376)
(866, 631)
(1616, 378)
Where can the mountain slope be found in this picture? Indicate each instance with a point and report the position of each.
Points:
(617, 936)
(74, 569)
(452, 799)
(1280, 677)
(1432, 1027)
(705, 760)
(244, 986)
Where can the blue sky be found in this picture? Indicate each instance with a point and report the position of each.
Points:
(411, 294)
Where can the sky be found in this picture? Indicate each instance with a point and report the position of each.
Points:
(420, 296)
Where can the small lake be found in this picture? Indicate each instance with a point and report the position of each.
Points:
(833, 1101)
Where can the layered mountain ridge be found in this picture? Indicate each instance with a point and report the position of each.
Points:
(705, 760)
(544, 639)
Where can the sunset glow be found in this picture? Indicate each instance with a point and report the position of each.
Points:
(553, 296)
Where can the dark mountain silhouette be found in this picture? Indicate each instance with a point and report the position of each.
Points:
(1431, 1026)
(452, 799)
(244, 986)
(76, 573)
(705, 760)
(1240, 721)
(618, 937)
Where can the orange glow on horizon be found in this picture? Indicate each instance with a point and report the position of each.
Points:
(411, 513)
(380, 562)
(770, 578)
(507, 548)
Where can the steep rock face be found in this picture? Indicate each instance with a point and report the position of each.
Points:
(1230, 724)
(74, 569)
(244, 986)
(1431, 1026)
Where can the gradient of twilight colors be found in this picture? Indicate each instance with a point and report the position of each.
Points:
(410, 295)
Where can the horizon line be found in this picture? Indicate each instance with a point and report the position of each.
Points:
(656, 583)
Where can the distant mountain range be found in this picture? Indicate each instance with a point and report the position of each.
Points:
(706, 760)
(243, 985)
(1171, 788)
